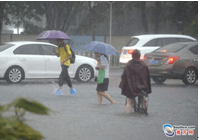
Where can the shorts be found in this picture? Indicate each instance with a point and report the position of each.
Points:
(103, 86)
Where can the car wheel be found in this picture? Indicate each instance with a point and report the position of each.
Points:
(84, 73)
(14, 75)
(159, 79)
(190, 76)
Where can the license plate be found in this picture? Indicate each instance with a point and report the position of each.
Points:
(125, 57)
(125, 52)
(153, 62)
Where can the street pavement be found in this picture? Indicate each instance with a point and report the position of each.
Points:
(81, 117)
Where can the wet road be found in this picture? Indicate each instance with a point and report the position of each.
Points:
(81, 117)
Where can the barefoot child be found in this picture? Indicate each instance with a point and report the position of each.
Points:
(101, 88)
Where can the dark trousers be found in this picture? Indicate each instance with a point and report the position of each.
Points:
(64, 76)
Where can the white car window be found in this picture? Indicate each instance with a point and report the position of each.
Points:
(47, 49)
(132, 42)
(154, 42)
(4, 47)
(30, 49)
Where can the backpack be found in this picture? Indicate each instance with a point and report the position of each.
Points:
(72, 59)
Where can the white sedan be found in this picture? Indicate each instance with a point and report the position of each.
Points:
(30, 60)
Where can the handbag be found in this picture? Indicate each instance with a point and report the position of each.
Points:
(101, 75)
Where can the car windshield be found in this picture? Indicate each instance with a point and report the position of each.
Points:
(171, 48)
(132, 42)
(4, 47)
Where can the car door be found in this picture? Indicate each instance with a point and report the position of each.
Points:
(32, 60)
(52, 62)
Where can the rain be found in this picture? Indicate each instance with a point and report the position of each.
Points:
(173, 101)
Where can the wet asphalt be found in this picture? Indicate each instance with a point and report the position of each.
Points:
(81, 117)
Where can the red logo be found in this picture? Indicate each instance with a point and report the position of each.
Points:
(178, 132)
(184, 132)
(190, 132)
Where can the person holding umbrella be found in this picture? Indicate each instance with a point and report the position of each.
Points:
(64, 55)
(65, 63)
(102, 49)
(102, 87)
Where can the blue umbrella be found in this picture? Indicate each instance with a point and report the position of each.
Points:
(101, 47)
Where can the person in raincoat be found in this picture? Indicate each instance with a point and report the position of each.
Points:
(103, 85)
(135, 80)
(65, 56)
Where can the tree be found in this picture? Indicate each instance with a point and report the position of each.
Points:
(91, 5)
(182, 13)
(59, 14)
(30, 28)
(144, 17)
(20, 13)
(137, 17)
(2, 5)
(192, 30)
(129, 10)
(157, 15)
(179, 15)
(92, 17)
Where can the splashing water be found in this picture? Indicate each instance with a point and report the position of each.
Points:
(54, 87)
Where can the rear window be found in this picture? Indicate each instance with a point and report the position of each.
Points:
(171, 48)
(4, 47)
(132, 42)
(194, 50)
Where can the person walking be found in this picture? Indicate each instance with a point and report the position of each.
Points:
(65, 55)
(102, 87)
(135, 81)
